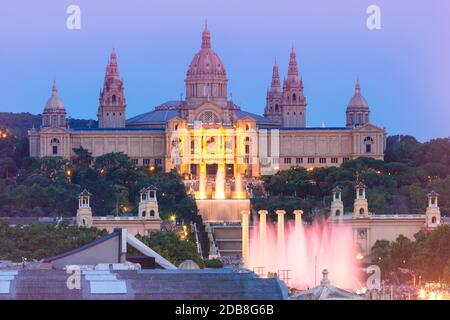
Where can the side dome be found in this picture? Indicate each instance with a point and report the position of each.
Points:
(54, 112)
(54, 103)
(358, 102)
(358, 111)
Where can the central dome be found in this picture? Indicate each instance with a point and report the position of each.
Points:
(206, 78)
(206, 64)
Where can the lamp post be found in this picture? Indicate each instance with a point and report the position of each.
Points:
(315, 270)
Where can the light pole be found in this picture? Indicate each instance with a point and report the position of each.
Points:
(315, 270)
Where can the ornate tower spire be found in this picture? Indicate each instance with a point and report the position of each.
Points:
(111, 112)
(54, 89)
(275, 78)
(293, 70)
(294, 101)
(272, 110)
(206, 38)
(357, 87)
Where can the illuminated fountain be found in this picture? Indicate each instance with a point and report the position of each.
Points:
(238, 187)
(304, 250)
(223, 204)
(220, 183)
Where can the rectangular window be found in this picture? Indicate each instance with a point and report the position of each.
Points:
(345, 159)
(299, 160)
(334, 160)
(310, 160)
(368, 148)
(287, 160)
(323, 160)
(158, 162)
(55, 149)
(135, 161)
(146, 162)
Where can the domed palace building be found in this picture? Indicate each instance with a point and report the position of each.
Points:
(207, 132)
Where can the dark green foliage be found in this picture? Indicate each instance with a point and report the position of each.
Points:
(50, 186)
(427, 256)
(171, 247)
(397, 185)
(213, 263)
(39, 240)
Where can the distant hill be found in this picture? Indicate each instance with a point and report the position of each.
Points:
(19, 123)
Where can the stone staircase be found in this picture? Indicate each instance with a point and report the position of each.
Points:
(228, 239)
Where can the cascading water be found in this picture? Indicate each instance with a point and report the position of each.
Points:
(220, 183)
(306, 251)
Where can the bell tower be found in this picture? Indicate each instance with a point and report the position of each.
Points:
(274, 98)
(148, 206)
(111, 111)
(361, 206)
(337, 206)
(84, 212)
(294, 101)
(433, 213)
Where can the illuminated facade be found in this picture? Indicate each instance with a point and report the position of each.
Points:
(207, 135)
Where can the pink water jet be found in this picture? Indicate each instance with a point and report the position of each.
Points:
(307, 250)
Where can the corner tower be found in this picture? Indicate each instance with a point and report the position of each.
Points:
(111, 111)
(294, 101)
(274, 98)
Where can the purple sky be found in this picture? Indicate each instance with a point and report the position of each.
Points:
(404, 68)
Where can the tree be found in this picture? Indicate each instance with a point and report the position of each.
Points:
(38, 241)
(7, 167)
(171, 247)
(401, 148)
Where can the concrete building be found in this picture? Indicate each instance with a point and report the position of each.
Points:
(101, 270)
(207, 130)
(146, 222)
(368, 227)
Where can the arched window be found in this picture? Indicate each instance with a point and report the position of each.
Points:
(84, 222)
(433, 220)
(360, 119)
(338, 212)
(276, 107)
(144, 213)
(294, 97)
(247, 145)
(368, 141)
(113, 98)
(209, 117)
(361, 211)
(152, 213)
(54, 144)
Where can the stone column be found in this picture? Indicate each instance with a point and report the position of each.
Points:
(280, 231)
(298, 220)
(262, 231)
(245, 235)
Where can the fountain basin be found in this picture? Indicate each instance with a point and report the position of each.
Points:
(227, 210)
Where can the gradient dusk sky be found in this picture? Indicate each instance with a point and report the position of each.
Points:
(404, 68)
